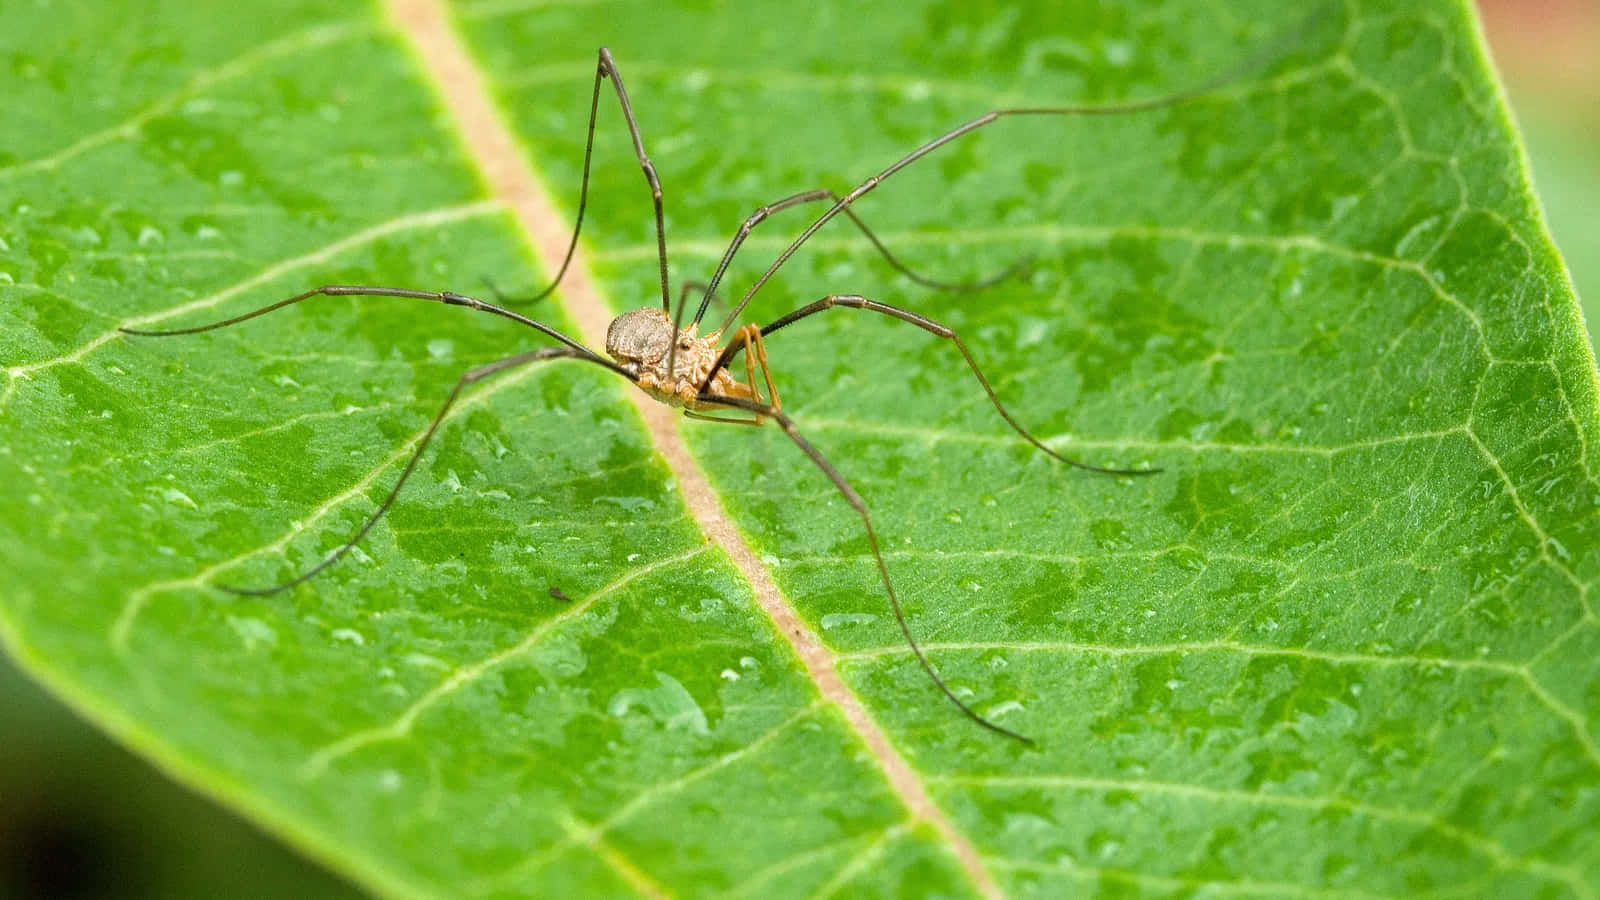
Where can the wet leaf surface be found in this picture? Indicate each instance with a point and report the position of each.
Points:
(1344, 643)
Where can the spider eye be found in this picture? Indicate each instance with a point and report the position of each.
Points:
(685, 344)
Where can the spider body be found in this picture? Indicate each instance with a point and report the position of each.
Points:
(693, 374)
(641, 342)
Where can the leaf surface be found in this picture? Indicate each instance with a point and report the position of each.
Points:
(1344, 643)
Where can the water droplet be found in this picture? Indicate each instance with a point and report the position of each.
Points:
(1031, 331)
(834, 620)
(1001, 709)
(671, 704)
(254, 632)
(729, 675)
(349, 636)
(1110, 534)
(178, 498)
(424, 661)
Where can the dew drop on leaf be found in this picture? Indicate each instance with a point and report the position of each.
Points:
(836, 620)
(253, 632)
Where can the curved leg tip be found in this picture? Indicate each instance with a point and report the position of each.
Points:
(1150, 471)
(1002, 730)
(1102, 470)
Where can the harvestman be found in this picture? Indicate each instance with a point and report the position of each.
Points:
(675, 365)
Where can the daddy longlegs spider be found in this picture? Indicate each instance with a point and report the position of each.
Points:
(672, 363)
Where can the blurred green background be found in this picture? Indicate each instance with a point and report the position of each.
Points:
(80, 817)
(1548, 52)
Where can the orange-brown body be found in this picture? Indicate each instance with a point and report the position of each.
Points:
(641, 341)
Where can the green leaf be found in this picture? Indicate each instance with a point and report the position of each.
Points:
(1344, 643)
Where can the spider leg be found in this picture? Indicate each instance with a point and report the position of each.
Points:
(607, 68)
(677, 322)
(688, 286)
(725, 420)
(472, 375)
(854, 499)
(760, 215)
(854, 301)
(448, 298)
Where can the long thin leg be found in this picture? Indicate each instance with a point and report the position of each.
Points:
(448, 298)
(607, 68)
(860, 506)
(760, 215)
(843, 204)
(689, 286)
(472, 375)
(854, 301)
(725, 420)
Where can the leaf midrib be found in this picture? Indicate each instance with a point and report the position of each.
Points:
(490, 146)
